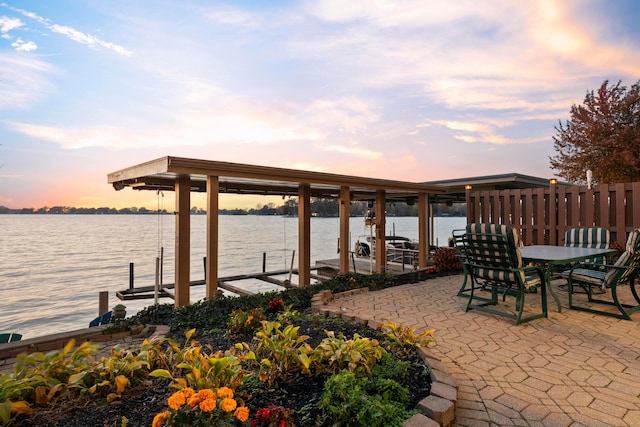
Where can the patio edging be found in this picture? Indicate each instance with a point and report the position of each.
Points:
(436, 409)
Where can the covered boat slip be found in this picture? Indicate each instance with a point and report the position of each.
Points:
(184, 175)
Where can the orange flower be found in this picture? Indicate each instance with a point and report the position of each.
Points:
(228, 404)
(193, 401)
(176, 400)
(188, 392)
(206, 394)
(208, 405)
(242, 414)
(225, 392)
(160, 419)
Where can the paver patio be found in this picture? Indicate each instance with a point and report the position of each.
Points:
(571, 369)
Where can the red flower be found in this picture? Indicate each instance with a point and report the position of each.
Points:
(282, 424)
(266, 414)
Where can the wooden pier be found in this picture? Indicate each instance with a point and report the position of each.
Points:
(166, 290)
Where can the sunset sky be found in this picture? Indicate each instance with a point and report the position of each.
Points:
(414, 90)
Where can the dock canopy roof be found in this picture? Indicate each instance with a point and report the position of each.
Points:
(456, 188)
(162, 174)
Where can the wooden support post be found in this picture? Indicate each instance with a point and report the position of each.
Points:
(103, 302)
(304, 235)
(345, 201)
(130, 275)
(183, 241)
(423, 230)
(381, 246)
(211, 264)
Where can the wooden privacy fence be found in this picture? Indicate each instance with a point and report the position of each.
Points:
(542, 215)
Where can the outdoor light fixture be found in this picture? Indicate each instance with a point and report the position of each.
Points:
(553, 181)
(589, 178)
(468, 187)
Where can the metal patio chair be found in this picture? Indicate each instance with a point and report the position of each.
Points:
(596, 278)
(493, 262)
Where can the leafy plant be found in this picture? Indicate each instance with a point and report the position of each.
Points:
(244, 322)
(284, 352)
(38, 378)
(402, 339)
(202, 370)
(390, 367)
(353, 401)
(12, 394)
(336, 353)
(206, 407)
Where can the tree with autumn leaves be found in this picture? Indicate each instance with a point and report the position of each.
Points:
(602, 135)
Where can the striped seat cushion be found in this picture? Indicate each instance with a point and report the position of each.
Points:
(595, 237)
(601, 277)
(585, 275)
(512, 266)
(633, 240)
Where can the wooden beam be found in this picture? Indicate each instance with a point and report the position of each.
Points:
(423, 230)
(345, 202)
(212, 236)
(381, 246)
(304, 235)
(183, 241)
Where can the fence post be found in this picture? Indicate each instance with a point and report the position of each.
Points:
(553, 213)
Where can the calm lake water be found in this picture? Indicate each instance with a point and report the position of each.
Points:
(52, 267)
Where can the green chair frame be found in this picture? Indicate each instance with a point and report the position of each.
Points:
(493, 262)
(595, 278)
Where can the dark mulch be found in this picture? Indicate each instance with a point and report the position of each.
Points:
(139, 405)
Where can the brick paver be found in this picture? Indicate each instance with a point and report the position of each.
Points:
(570, 369)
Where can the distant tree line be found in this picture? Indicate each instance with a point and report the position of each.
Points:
(319, 207)
(59, 210)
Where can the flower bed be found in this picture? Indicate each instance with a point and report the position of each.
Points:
(284, 365)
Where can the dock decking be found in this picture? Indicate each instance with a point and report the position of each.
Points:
(166, 291)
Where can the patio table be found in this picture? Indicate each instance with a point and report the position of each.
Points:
(549, 256)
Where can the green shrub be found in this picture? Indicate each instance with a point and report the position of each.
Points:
(351, 401)
(216, 310)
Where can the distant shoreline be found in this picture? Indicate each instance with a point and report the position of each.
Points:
(319, 208)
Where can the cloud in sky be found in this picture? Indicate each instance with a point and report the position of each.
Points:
(7, 24)
(382, 88)
(71, 33)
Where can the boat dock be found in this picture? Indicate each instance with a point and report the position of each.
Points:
(322, 272)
